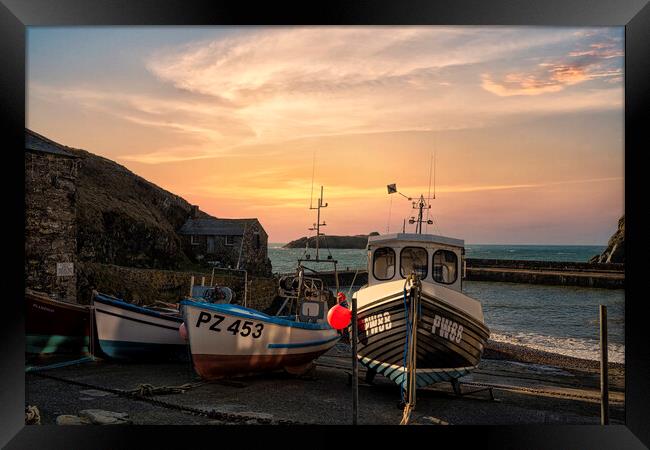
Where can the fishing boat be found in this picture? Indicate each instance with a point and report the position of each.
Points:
(415, 324)
(55, 326)
(235, 340)
(128, 331)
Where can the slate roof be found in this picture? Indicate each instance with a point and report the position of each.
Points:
(215, 227)
(37, 143)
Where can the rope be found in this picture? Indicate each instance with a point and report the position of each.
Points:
(212, 414)
(353, 280)
(58, 365)
(410, 350)
(148, 390)
(32, 415)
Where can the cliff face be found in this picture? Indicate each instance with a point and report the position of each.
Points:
(615, 251)
(125, 220)
(358, 241)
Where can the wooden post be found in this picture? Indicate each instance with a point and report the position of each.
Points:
(202, 281)
(604, 378)
(191, 284)
(355, 364)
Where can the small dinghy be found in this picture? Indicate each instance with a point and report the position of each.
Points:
(127, 331)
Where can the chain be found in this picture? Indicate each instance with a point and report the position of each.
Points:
(212, 414)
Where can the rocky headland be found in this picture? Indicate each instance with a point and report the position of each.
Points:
(615, 251)
(358, 241)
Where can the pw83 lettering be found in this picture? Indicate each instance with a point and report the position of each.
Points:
(247, 328)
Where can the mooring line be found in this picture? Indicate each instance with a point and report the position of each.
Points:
(212, 414)
(531, 390)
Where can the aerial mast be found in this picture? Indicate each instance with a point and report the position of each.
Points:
(419, 204)
(318, 224)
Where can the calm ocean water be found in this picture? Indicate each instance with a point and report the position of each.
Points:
(559, 319)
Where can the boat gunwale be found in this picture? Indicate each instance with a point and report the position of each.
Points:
(119, 303)
(250, 313)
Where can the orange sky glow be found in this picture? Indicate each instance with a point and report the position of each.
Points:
(526, 123)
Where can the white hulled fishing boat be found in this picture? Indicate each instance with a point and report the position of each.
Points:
(234, 340)
(128, 331)
(416, 326)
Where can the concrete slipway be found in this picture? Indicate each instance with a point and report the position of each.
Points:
(524, 393)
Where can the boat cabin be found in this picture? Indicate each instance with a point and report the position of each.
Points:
(436, 259)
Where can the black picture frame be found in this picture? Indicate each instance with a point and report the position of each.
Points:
(15, 15)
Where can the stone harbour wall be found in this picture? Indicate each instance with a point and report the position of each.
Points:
(146, 286)
(50, 224)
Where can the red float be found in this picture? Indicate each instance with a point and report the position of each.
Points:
(339, 317)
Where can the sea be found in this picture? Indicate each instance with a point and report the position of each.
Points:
(557, 319)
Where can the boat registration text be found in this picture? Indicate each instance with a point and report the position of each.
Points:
(248, 328)
(447, 329)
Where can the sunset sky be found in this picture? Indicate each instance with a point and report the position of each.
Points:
(526, 123)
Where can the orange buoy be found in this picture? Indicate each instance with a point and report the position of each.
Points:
(339, 317)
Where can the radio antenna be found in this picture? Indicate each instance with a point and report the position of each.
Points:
(429, 193)
(313, 170)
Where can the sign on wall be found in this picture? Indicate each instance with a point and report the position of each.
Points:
(64, 269)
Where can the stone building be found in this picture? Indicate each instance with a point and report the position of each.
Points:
(50, 217)
(227, 242)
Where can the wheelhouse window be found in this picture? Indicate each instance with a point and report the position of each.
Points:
(414, 259)
(383, 263)
(445, 267)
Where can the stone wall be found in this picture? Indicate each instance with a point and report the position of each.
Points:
(255, 250)
(50, 223)
(146, 286)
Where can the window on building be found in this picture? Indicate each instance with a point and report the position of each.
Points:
(194, 240)
(230, 240)
(258, 241)
(414, 259)
(445, 267)
(383, 263)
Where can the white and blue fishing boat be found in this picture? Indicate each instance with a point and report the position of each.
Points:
(416, 326)
(128, 331)
(235, 340)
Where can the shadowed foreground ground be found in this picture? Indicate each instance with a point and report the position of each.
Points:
(529, 386)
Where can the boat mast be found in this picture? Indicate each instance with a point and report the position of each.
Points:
(419, 204)
(316, 228)
(318, 224)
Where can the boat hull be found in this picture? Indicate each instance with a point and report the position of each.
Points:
(450, 334)
(230, 340)
(127, 331)
(53, 326)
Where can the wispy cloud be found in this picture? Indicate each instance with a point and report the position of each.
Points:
(275, 84)
(591, 61)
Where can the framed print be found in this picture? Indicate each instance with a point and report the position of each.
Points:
(323, 216)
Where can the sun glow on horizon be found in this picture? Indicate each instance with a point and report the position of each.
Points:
(526, 122)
